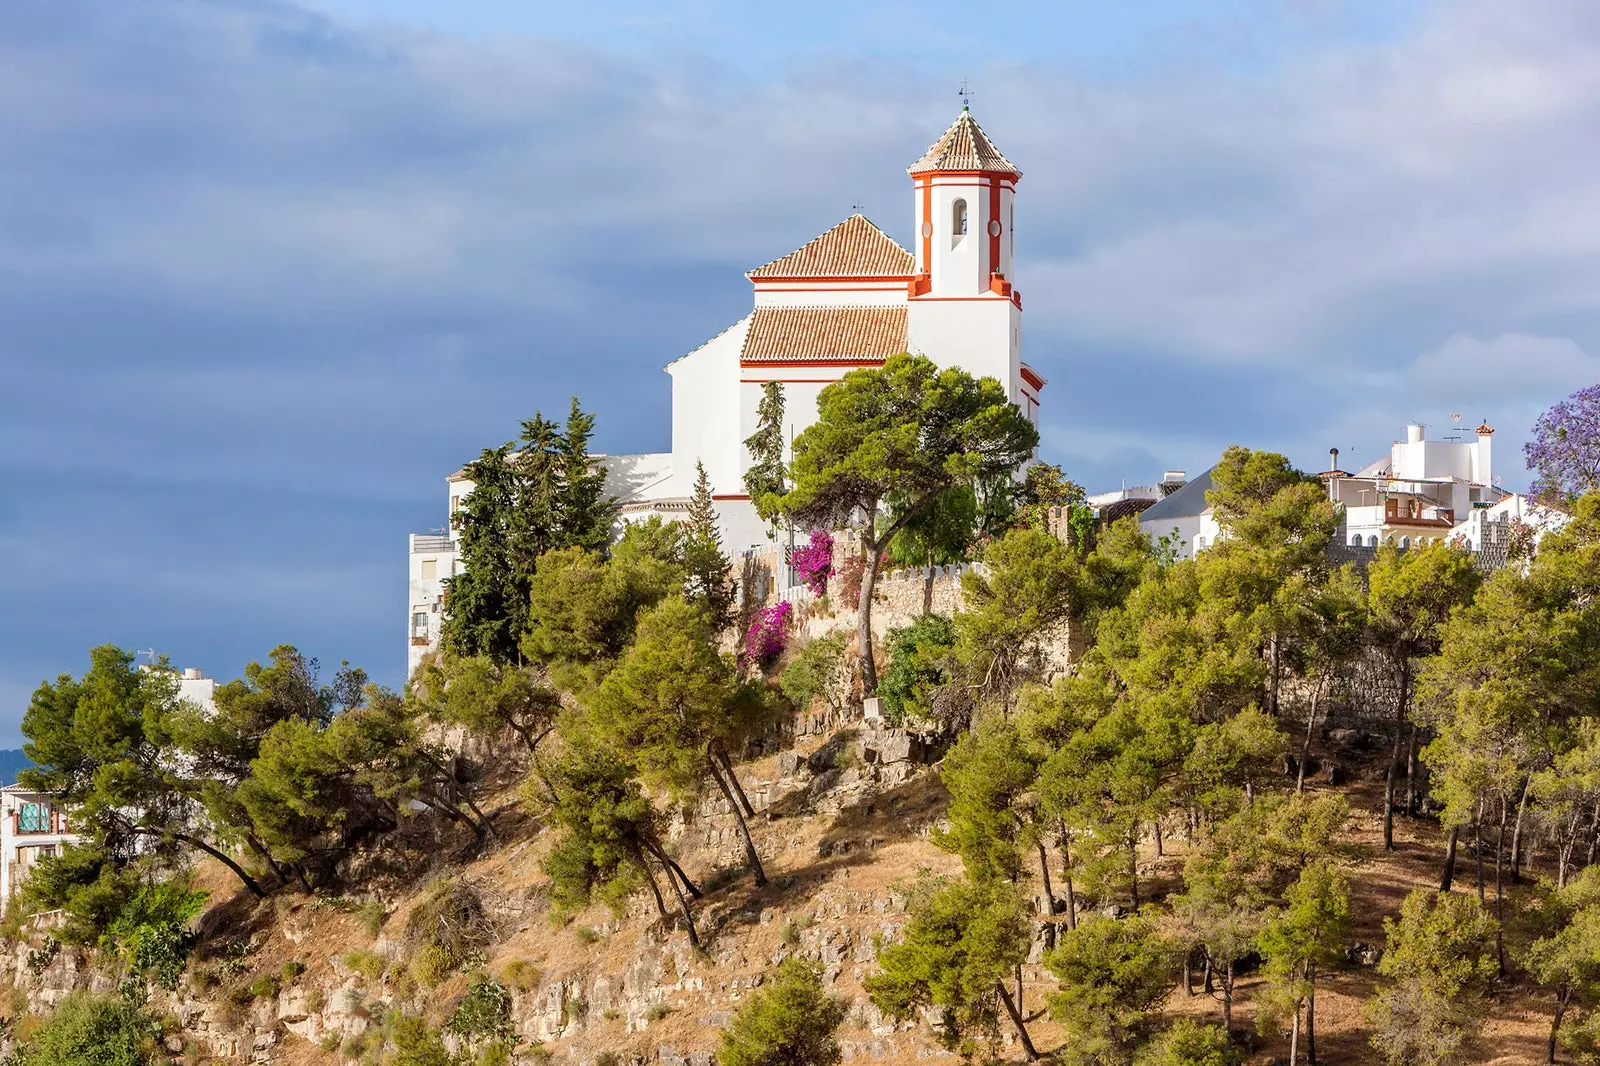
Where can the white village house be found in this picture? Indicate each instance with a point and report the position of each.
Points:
(32, 826)
(848, 298)
(1421, 491)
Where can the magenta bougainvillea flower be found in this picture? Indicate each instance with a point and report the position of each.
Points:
(768, 635)
(814, 562)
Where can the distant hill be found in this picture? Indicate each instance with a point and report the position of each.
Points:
(11, 761)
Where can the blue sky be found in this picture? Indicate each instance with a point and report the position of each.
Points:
(270, 270)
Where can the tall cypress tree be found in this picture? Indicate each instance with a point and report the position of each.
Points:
(764, 480)
(709, 572)
(530, 496)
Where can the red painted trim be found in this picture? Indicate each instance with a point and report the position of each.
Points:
(730, 496)
(840, 288)
(757, 364)
(1032, 398)
(898, 279)
(994, 238)
(992, 175)
(927, 228)
(1032, 378)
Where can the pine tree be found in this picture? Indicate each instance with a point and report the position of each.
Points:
(586, 511)
(710, 580)
(789, 1022)
(764, 479)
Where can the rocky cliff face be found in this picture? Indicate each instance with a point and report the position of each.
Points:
(842, 821)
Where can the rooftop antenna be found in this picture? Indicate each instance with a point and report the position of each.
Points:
(1455, 433)
(965, 92)
(149, 654)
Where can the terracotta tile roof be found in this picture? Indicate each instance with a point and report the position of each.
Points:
(820, 334)
(854, 248)
(964, 146)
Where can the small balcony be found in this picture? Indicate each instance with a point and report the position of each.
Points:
(431, 544)
(1412, 511)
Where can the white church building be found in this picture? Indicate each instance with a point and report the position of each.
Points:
(849, 298)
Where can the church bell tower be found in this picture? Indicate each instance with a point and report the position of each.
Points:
(964, 309)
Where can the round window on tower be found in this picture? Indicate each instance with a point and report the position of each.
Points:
(927, 229)
(994, 227)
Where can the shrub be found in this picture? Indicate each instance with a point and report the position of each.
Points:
(538, 1054)
(572, 1010)
(495, 1054)
(521, 975)
(368, 964)
(819, 671)
(587, 934)
(447, 928)
(417, 1045)
(152, 930)
(1189, 1043)
(485, 1011)
(918, 664)
(292, 969)
(264, 987)
(789, 1022)
(372, 916)
(814, 562)
(608, 1058)
(657, 1011)
(90, 1030)
(767, 636)
(793, 928)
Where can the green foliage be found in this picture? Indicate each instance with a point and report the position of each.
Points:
(89, 1030)
(790, 1021)
(1310, 932)
(709, 574)
(484, 1012)
(962, 942)
(1567, 959)
(609, 824)
(372, 916)
(919, 664)
(487, 697)
(1438, 961)
(520, 975)
(539, 493)
(265, 987)
(1190, 1043)
(151, 931)
(417, 1045)
(368, 964)
(818, 672)
(446, 929)
(1031, 590)
(942, 533)
(904, 433)
(764, 478)
(1114, 974)
(586, 607)
(993, 815)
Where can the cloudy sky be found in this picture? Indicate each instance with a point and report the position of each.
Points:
(270, 270)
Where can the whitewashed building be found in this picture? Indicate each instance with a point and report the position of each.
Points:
(32, 826)
(1417, 493)
(850, 297)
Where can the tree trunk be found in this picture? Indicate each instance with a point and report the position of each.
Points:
(1305, 746)
(1394, 756)
(1594, 835)
(1311, 1013)
(1294, 1036)
(1044, 872)
(1208, 983)
(1063, 841)
(1014, 1009)
(650, 879)
(1156, 825)
(1227, 999)
(1499, 896)
(1188, 972)
(1516, 832)
(869, 580)
(1562, 996)
(1477, 848)
(195, 842)
(673, 868)
(733, 779)
(1413, 793)
(1448, 876)
(683, 908)
(1272, 683)
(927, 588)
(751, 858)
(1133, 869)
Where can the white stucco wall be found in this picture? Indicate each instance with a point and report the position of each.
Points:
(18, 849)
(982, 336)
(706, 411)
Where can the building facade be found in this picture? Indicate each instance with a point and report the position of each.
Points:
(849, 298)
(32, 826)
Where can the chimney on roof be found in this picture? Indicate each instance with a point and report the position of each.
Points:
(1173, 476)
(1333, 458)
(192, 673)
(1414, 433)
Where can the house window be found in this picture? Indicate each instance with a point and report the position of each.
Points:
(419, 624)
(1355, 540)
(958, 218)
(430, 569)
(1372, 541)
(33, 818)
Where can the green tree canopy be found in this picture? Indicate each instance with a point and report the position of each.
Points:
(789, 1022)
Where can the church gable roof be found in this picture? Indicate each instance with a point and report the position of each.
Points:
(964, 146)
(824, 334)
(855, 248)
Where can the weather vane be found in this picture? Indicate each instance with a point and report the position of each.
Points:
(965, 92)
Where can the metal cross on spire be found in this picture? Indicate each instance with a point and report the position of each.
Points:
(965, 92)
